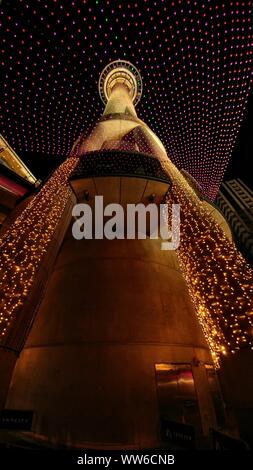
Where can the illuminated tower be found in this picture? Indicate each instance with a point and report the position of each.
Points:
(116, 352)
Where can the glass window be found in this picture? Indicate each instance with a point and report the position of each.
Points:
(176, 394)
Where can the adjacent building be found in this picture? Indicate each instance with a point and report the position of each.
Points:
(235, 200)
(16, 180)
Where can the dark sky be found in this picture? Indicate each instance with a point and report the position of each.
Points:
(194, 56)
(241, 163)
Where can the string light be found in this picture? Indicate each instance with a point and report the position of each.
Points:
(23, 246)
(195, 92)
(219, 279)
(195, 59)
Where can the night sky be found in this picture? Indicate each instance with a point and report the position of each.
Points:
(195, 59)
(241, 160)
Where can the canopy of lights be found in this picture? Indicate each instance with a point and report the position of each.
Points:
(194, 56)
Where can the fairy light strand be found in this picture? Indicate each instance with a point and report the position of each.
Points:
(195, 89)
(219, 280)
(25, 243)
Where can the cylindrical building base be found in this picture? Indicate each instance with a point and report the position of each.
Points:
(115, 316)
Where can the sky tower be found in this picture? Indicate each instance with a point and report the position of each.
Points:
(119, 347)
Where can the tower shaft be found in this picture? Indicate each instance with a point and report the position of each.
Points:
(116, 352)
(120, 101)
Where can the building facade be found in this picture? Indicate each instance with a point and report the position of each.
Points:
(235, 200)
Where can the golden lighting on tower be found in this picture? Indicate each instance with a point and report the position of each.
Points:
(219, 279)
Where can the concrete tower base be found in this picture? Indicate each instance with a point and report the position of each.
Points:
(111, 312)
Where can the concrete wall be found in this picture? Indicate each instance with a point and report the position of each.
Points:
(112, 309)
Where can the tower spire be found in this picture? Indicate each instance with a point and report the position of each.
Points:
(120, 87)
